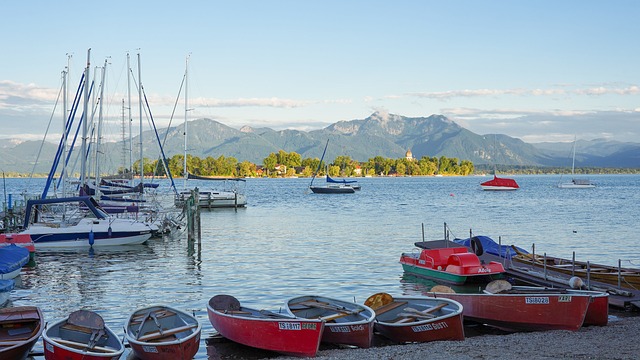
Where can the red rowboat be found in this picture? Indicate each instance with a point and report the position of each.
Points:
(454, 265)
(262, 329)
(598, 310)
(521, 310)
(163, 333)
(81, 336)
(346, 323)
(500, 184)
(417, 319)
(20, 329)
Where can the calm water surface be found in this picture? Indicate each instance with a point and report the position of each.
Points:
(289, 242)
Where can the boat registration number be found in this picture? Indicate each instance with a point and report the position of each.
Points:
(536, 300)
(296, 326)
(150, 349)
(429, 327)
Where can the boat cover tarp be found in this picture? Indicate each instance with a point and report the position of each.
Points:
(12, 257)
(342, 181)
(491, 247)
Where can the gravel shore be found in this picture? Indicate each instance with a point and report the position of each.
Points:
(620, 339)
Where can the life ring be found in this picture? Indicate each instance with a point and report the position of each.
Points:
(476, 246)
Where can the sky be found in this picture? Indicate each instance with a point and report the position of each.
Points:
(534, 70)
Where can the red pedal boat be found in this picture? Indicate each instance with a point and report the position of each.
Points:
(454, 265)
(417, 319)
(262, 329)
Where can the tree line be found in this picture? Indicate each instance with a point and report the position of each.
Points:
(288, 164)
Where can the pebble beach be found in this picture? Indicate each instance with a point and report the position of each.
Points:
(618, 340)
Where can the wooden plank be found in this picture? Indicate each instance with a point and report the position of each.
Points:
(79, 345)
(340, 315)
(160, 313)
(390, 306)
(158, 334)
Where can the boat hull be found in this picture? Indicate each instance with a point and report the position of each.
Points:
(523, 312)
(180, 337)
(598, 310)
(30, 323)
(213, 200)
(112, 232)
(332, 189)
(58, 341)
(289, 336)
(447, 323)
(353, 327)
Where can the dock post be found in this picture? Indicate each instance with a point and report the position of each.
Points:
(619, 274)
(545, 265)
(573, 264)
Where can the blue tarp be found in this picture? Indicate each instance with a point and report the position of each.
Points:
(491, 247)
(13, 257)
(341, 181)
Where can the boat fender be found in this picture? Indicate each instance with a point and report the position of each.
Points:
(91, 237)
(476, 246)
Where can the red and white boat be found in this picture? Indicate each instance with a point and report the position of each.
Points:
(598, 310)
(81, 336)
(500, 184)
(20, 329)
(454, 265)
(417, 319)
(346, 323)
(262, 329)
(532, 309)
(163, 333)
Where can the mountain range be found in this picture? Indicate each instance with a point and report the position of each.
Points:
(380, 134)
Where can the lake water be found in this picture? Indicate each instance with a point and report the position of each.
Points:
(289, 242)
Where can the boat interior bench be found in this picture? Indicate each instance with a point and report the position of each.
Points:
(440, 257)
(389, 307)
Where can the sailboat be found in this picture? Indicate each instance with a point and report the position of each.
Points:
(208, 198)
(575, 183)
(332, 186)
(78, 222)
(499, 183)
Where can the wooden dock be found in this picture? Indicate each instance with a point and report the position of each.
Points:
(620, 298)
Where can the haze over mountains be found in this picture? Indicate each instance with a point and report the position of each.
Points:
(380, 134)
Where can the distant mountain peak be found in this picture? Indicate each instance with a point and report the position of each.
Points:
(247, 129)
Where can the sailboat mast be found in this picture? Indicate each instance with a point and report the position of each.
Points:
(186, 112)
(83, 161)
(99, 134)
(140, 105)
(63, 173)
(573, 156)
(130, 118)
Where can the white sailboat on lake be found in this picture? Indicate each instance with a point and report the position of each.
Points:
(576, 183)
(208, 198)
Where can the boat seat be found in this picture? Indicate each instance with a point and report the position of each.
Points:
(440, 257)
(389, 307)
(464, 260)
